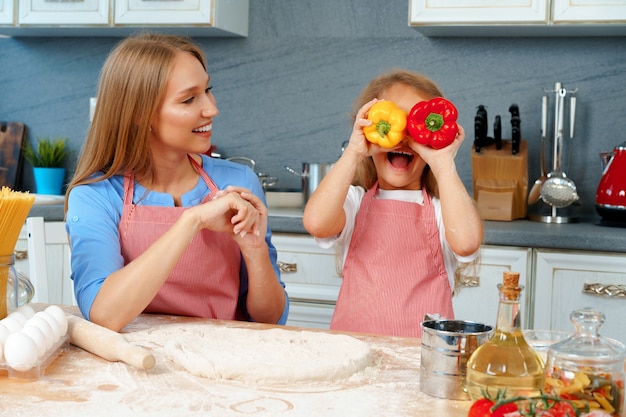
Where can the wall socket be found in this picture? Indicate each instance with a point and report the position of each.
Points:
(92, 107)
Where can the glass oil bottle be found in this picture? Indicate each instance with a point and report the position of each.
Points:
(505, 363)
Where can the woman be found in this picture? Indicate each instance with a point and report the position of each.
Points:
(154, 224)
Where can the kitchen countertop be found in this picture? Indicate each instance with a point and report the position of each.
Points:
(78, 383)
(585, 236)
(588, 236)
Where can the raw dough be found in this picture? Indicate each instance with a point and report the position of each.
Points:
(274, 356)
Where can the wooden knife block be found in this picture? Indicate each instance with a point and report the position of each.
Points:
(500, 181)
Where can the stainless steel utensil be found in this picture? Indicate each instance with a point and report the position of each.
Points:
(312, 175)
(266, 180)
(446, 347)
(558, 190)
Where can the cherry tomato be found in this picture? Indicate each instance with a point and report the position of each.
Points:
(480, 408)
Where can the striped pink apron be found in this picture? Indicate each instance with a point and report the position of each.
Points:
(205, 282)
(394, 271)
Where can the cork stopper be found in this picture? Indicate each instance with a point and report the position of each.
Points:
(510, 288)
(510, 279)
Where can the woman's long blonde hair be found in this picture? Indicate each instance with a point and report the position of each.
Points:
(132, 84)
(366, 172)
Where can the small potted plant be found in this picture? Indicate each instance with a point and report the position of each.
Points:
(47, 161)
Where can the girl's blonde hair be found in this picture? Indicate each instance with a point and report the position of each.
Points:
(366, 172)
(132, 84)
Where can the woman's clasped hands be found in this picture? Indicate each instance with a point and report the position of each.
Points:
(236, 210)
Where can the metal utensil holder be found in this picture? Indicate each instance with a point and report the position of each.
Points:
(558, 142)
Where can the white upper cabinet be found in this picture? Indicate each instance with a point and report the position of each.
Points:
(141, 12)
(589, 11)
(63, 12)
(518, 17)
(227, 18)
(446, 12)
(6, 12)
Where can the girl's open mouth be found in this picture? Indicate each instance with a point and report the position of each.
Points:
(399, 159)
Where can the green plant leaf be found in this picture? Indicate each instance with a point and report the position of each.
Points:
(49, 152)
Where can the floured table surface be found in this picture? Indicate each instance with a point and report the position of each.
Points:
(79, 383)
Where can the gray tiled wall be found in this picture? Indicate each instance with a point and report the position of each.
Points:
(285, 91)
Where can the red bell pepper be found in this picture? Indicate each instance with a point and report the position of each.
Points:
(433, 122)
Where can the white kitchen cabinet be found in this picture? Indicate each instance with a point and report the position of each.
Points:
(163, 12)
(63, 12)
(518, 17)
(311, 279)
(568, 281)
(6, 12)
(21, 252)
(58, 288)
(478, 299)
(589, 11)
(478, 11)
(122, 17)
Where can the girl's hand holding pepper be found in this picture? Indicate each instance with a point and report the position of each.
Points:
(358, 143)
(439, 159)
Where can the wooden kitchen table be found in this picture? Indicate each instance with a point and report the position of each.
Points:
(79, 383)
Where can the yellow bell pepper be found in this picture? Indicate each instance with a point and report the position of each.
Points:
(388, 126)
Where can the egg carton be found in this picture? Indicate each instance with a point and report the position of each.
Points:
(38, 369)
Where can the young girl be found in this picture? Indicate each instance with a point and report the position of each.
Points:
(402, 219)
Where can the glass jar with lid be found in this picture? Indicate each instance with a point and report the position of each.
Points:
(586, 368)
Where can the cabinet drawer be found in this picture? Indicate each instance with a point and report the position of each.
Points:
(309, 272)
(313, 315)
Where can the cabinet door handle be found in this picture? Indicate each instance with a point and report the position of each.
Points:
(467, 281)
(605, 290)
(287, 267)
(21, 254)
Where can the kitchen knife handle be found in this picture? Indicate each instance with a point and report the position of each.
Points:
(516, 134)
(497, 132)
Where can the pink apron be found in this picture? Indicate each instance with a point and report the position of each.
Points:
(205, 282)
(394, 271)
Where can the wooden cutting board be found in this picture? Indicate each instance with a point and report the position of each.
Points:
(11, 142)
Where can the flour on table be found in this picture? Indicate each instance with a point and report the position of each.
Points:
(264, 356)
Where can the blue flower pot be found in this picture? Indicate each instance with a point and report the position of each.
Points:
(49, 180)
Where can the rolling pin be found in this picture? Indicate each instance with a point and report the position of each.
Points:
(107, 344)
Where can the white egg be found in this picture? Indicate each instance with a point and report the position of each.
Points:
(54, 325)
(12, 324)
(59, 315)
(4, 333)
(20, 352)
(45, 328)
(38, 337)
(26, 310)
(1, 353)
(19, 317)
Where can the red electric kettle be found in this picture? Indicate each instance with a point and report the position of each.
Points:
(611, 192)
